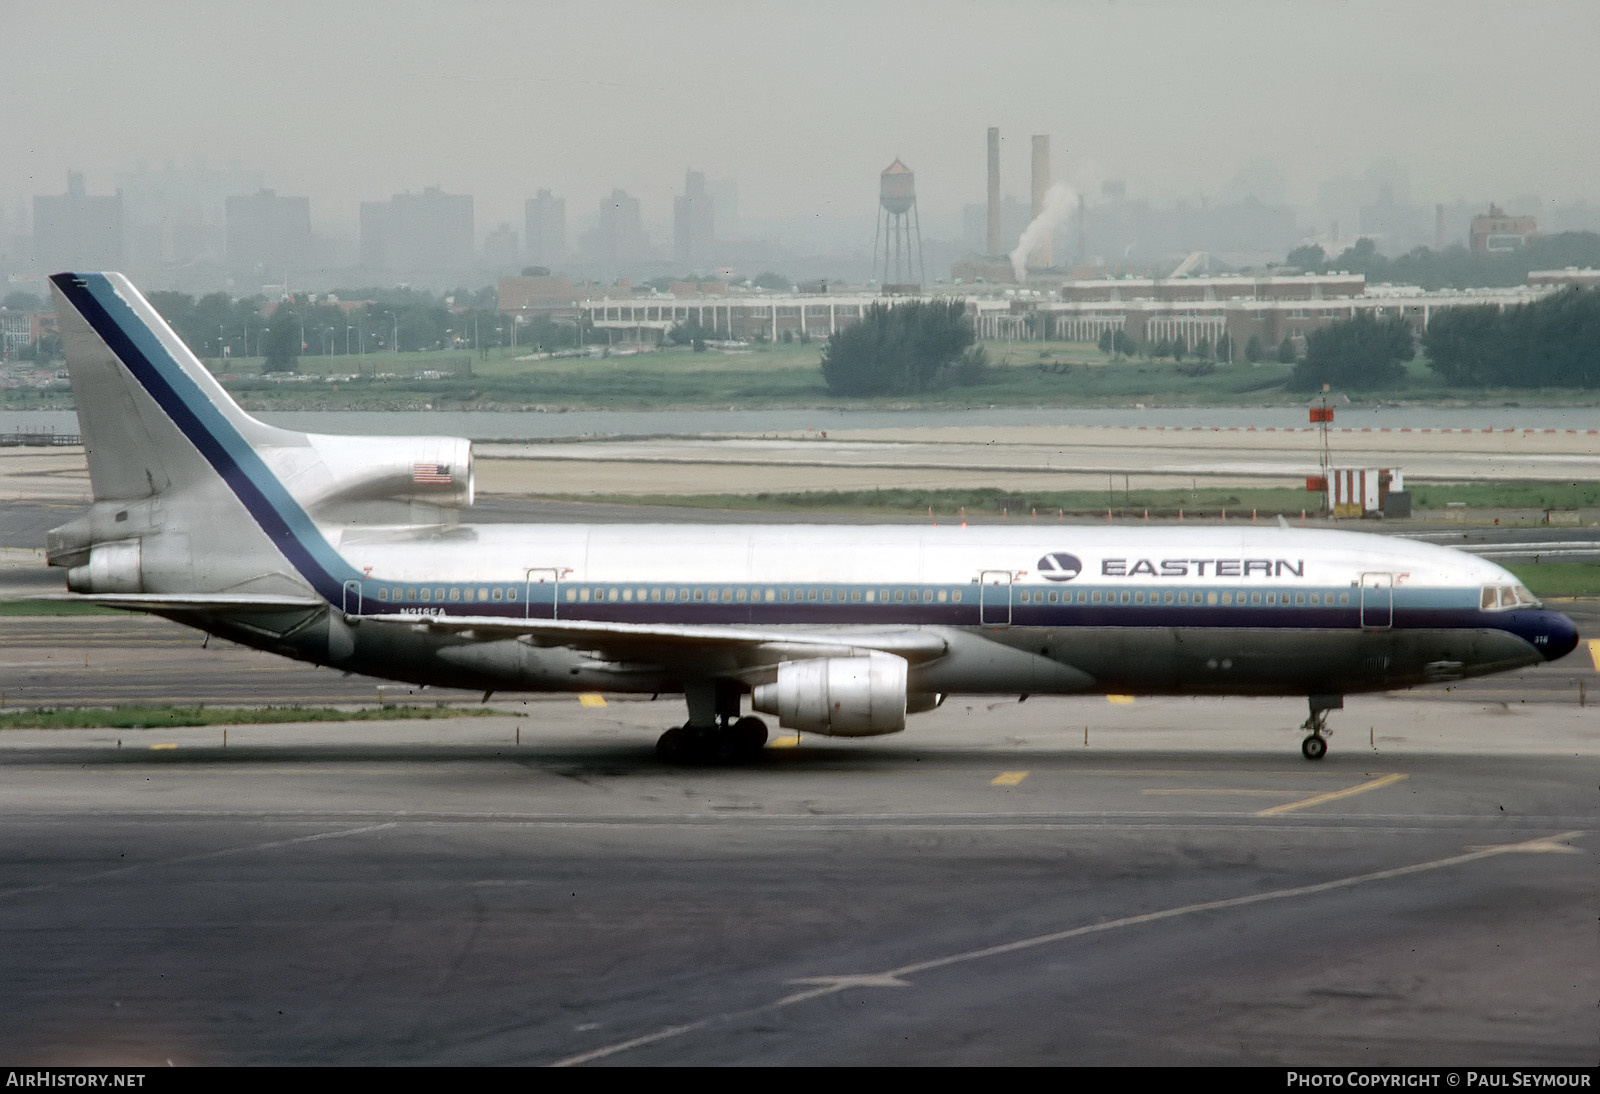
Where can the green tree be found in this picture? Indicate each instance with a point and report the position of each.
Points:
(1307, 256)
(1553, 342)
(773, 282)
(22, 301)
(898, 350)
(1254, 351)
(1286, 353)
(283, 341)
(1359, 353)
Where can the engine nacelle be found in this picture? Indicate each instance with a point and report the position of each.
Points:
(330, 473)
(838, 696)
(112, 568)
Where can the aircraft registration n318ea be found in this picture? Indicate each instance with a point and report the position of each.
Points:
(348, 551)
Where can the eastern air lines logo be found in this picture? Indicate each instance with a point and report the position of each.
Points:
(1059, 566)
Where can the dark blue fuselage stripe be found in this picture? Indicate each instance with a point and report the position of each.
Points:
(286, 524)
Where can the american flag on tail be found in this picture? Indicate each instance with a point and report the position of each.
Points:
(431, 473)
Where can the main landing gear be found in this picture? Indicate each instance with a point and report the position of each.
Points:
(715, 733)
(1315, 746)
(737, 741)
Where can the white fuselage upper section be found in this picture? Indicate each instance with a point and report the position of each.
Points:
(907, 554)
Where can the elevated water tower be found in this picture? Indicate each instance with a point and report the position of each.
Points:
(897, 246)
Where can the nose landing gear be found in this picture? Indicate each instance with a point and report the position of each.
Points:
(1315, 746)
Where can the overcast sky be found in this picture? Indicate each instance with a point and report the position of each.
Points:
(802, 103)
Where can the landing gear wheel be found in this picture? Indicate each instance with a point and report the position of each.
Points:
(675, 745)
(1314, 747)
(749, 736)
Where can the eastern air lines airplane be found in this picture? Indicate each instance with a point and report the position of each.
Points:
(345, 551)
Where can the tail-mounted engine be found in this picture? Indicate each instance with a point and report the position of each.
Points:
(330, 473)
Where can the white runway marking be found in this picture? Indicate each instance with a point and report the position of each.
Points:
(832, 985)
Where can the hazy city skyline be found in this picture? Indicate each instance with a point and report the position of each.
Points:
(801, 106)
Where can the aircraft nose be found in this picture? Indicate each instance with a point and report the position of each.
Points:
(1559, 634)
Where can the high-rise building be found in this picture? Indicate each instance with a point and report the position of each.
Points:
(618, 239)
(500, 249)
(77, 230)
(176, 216)
(546, 230)
(693, 221)
(268, 237)
(418, 234)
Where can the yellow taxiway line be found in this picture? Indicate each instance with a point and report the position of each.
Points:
(1333, 795)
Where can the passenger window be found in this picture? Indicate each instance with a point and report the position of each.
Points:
(425, 593)
(572, 594)
(739, 596)
(511, 594)
(1299, 598)
(1094, 597)
(627, 594)
(383, 594)
(956, 596)
(483, 594)
(1227, 599)
(827, 594)
(855, 594)
(1344, 598)
(900, 596)
(496, 594)
(1054, 596)
(942, 596)
(1211, 598)
(1255, 598)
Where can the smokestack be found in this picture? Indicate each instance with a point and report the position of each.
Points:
(996, 243)
(1040, 257)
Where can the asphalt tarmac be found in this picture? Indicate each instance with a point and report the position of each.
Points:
(1055, 882)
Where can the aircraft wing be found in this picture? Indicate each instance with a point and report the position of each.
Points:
(188, 602)
(695, 647)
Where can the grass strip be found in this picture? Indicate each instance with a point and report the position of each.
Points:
(163, 717)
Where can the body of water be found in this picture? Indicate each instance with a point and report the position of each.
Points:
(530, 426)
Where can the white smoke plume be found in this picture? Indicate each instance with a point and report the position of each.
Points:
(1059, 201)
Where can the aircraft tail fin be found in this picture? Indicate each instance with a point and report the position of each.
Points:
(139, 390)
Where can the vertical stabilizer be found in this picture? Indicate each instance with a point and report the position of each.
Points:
(133, 379)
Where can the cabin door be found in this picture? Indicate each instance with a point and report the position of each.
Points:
(1377, 602)
(994, 598)
(542, 596)
(352, 598)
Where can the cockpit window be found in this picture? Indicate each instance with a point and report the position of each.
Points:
(1500, 598)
